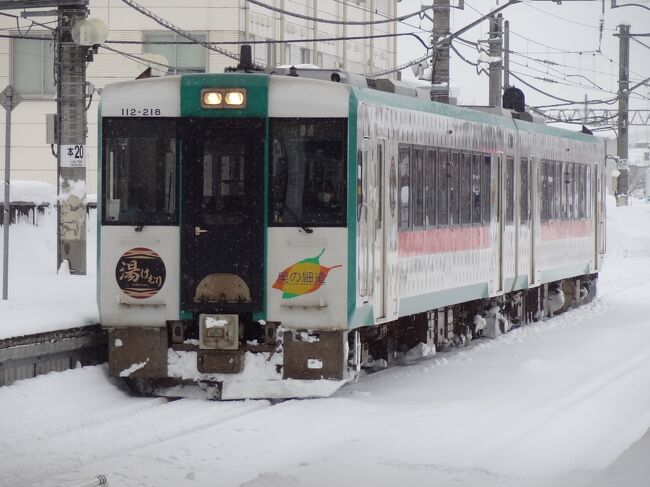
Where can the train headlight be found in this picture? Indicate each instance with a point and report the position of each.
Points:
(211, 98)
(223, 98)
(235, 98)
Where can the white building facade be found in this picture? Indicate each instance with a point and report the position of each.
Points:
(27, 64)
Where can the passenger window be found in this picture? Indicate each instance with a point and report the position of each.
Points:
(581, 190)
(486, 182)
(523, 190)
(558, 190)
(588, 198)
(404, 169)
(476, 189)
(417, 187)
(465, 189)
(566, 189)
(544, 192)
(359, 184)
(510, 190)
(380, 185)
(430, 187)
(443, 187)
(454, 189)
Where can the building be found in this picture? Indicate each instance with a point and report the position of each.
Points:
(27, 64)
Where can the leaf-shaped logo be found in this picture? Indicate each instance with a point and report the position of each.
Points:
(303, 277)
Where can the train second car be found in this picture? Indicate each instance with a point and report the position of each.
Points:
(267, 236)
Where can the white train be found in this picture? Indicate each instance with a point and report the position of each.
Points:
(267, 235)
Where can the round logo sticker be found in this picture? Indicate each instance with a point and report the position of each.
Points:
(140, 273)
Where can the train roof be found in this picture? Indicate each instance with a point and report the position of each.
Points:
(383, 92)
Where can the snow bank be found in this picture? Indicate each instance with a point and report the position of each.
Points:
(41, 300)
(30, 191)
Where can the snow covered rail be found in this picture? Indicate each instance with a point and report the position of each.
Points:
(98, 481)
(32, 355)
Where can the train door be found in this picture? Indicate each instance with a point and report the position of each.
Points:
(379, 231)
(600, 211)
(362, 225)
(533, 177)
(223, 237)
(500, 226)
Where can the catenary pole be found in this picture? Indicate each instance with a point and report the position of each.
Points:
(440, 55)
(623, 106)
(506, 54)
(496, 53)
(71, 157)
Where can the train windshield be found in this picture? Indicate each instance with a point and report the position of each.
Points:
(139, 172)
(308, 172)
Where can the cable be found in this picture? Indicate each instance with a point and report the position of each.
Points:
(640, 42)
(538, 90)
(476, 65)
(446, 39)
(338, 22)
(527, 4)
(141, 60)
(273, 41)
(181, 32)
(641, 83)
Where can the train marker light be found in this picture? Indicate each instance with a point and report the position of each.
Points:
(235, 98)
(211, 98)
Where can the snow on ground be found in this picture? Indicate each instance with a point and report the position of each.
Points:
(550, 404)
(40, 299)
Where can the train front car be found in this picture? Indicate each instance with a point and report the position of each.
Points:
(223, 251)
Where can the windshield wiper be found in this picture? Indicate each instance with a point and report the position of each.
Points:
(300, 224)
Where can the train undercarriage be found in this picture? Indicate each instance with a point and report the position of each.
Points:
(274, 363)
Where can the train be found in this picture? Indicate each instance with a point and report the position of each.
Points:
(273, 234)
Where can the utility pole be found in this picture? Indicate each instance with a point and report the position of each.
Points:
(623, 106)
(496, 54)
(440, 55)
(506, 54)
(9, 99)
(71, 127)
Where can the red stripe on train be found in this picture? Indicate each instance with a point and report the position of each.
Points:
(566, 229)
(441, 240)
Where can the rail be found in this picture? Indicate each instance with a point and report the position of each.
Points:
(31, 355)
(98, 481)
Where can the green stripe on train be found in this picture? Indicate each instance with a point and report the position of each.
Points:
(257, 93)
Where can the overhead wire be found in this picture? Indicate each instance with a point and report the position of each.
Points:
(168, 25)
(338, 22)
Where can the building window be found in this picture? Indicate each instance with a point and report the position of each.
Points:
(270, 54)
(180, 57)
(33, 65)
(287, 54)
(305, 57)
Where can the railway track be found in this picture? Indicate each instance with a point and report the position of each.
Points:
(31, 355)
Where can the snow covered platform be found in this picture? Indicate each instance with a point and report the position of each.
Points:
(631, 469)
(31, 355)
(41, 299)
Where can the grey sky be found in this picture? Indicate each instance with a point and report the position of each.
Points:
(545, 31)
